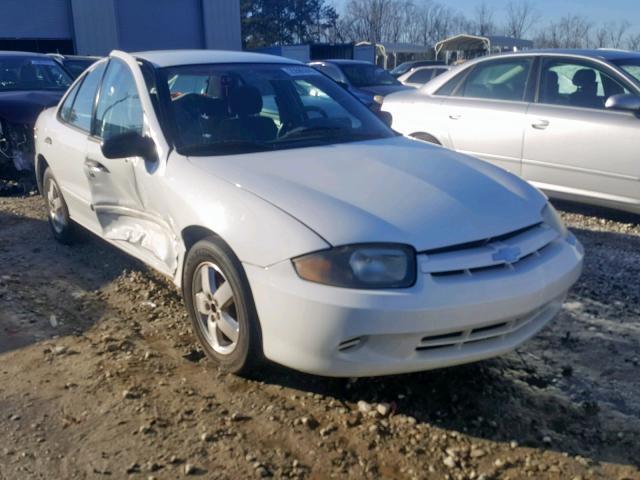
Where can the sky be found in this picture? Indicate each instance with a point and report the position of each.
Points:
(597, 11)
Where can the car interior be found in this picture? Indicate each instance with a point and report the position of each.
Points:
(574, 85)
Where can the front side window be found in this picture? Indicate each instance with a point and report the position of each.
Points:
(81, 111)
(258, 107)
(631, 66)
(498, 80)
(119, 110)
(32, 73)
(365, 75)
(576, 84)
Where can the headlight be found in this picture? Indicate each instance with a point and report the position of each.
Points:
(551, 217)
(378, 99)
(360, 266)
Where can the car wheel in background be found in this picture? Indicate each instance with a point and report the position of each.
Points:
(425, 137)
(63, 228)
(218, 297)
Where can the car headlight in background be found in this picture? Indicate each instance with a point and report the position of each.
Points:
(360, 266)
(551, 217)
(378, 99)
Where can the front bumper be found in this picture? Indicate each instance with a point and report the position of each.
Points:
(439, 322)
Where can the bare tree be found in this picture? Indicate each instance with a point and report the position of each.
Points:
(571, 31)
(521, 16)
(617, 32)
(633, 42)
(484, 19)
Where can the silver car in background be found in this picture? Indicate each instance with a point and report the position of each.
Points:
(568, 121)
(417, 77)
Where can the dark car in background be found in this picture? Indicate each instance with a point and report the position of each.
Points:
(366, 81)
(74, 64)
(29, 83)
(405, 67)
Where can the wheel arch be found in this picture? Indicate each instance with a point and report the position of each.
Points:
(40, 167)
(426, 137)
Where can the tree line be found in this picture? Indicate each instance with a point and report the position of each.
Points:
(423, 22)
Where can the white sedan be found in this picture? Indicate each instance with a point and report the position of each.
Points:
(307, 233)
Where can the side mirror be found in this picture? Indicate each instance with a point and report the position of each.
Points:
(129, 144)
(624, 101)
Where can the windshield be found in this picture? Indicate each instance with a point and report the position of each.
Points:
(77, 66)
(365, 75)
(631, 66)
(228, 109)
(32, 73)
(402, 68)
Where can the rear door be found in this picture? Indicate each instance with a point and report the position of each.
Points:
(486, 112)
(574, 146)
(66, 145)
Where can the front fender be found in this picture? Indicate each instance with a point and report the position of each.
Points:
(258, 232)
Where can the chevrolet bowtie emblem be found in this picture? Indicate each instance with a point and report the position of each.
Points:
(507, 254)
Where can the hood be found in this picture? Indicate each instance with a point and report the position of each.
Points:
(24, 106)
(388, 190)
(383, 89)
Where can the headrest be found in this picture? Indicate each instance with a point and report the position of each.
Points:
(245, 101)
(584, 77)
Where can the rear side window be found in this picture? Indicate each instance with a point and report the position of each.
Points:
(119, 109)
(80, 112)
(421, 76)
(498, 80)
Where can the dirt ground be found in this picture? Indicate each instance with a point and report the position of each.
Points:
(100, 378)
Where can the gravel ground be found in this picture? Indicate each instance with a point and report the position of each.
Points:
(100, 378)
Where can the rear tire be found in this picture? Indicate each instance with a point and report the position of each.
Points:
(62, 227)
(220, 304)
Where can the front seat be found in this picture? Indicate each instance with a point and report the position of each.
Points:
(587, 93)
(245, 105)
(551, 91)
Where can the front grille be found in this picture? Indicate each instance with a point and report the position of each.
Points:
(458, 339)
(496, 253)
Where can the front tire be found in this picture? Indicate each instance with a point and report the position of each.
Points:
(220, 304)
(62, 227)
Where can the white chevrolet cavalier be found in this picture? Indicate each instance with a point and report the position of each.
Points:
(299, 227)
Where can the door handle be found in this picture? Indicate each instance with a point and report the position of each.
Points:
(455, 116)
(540, 124)
(94, 167)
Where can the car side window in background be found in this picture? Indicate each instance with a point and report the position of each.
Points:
(81, 110)
(498, 80)
(329, 70)
(421, 76)
(119, 109)
(576, 84)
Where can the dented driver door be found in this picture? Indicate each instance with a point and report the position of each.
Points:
(117, 185)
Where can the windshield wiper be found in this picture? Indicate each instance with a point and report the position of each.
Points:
(222, 148)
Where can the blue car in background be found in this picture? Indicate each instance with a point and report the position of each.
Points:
(366, 81)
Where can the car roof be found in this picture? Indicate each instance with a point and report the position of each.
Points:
(7, 53)
(173, 58)
(601, 53)
(342, 61)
